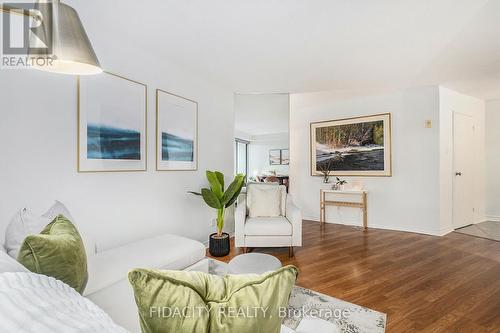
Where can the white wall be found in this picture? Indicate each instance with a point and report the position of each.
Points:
(39, 152)
(451, 102)
(493, 160)
(418, 197)
(261, 114)
(242, 135)
(409, 200)
(258, 152)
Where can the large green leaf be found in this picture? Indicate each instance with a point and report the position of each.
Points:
(235, 197)
(210, 198)
(215, 185)
(220, 178)
(232, 192)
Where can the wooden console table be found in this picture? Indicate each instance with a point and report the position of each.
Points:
(362, 205)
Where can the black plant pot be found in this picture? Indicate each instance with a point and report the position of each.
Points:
(219, 246)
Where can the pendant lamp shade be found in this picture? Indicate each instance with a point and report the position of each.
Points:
(70, 50)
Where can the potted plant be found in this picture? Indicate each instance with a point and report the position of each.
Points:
(339, 184)
(220, 199)
(326, 169)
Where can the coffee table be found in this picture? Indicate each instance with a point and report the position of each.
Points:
(361, 319)
(253, 263)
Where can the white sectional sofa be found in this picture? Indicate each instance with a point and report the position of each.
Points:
(108, 284)
(107, 287)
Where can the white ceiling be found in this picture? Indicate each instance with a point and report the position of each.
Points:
(316, 45)
(260, 114)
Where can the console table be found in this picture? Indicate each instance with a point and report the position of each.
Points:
(283, 180)
(362, 205)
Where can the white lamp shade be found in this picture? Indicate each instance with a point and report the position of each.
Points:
(71, 52)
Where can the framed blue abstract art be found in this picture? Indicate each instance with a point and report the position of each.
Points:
(176, 132)
(112, 129)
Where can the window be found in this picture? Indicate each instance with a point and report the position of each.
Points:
(241, 160)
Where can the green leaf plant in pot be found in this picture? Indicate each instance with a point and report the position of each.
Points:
(220, 199)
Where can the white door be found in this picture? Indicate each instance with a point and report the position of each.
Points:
(463, 174)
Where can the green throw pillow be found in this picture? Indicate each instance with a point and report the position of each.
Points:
(186, 302)
(57, 251)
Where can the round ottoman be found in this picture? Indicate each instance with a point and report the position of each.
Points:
(253, 263)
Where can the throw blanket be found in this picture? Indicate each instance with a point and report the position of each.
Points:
(32, 303)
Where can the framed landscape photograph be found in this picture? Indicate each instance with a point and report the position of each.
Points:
(352, 147)
(112, 129)
(285, 157)
(176, 132)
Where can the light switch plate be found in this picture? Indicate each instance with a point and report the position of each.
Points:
(428, 124)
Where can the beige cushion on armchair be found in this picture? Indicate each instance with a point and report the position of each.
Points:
(255, 189)
(265, 201)
(283, 229)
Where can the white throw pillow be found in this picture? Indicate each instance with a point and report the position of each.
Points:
(22, 224)
(58, 208)
(265, 201)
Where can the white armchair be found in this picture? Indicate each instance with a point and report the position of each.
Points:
(284, 230)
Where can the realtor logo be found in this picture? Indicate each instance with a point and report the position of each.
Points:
(26, 35)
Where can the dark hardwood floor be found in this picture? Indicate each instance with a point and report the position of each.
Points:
(423, 283)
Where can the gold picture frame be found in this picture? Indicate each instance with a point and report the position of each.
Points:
(126, 164)
(187, 126)
(332, 147)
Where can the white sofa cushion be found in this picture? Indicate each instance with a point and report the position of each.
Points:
(268, 226)
(160, 252)
(23, 223)
(264, 201)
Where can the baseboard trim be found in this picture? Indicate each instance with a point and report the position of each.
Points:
(311, 218)
(440, 232)
(492, 218)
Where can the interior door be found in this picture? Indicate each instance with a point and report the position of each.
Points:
(463, 175)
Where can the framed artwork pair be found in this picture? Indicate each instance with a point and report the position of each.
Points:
(279, 157)
(113, 131)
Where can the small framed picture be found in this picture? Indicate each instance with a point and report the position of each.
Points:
(285, 157)
(176, 132)
(274, 157)
(112, 128)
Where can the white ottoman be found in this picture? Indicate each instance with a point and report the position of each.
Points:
(253, 263)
